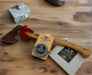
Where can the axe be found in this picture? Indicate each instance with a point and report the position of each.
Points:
(10, 38)
(84, 52)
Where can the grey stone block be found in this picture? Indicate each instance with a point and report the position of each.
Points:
(68, 59)
(19, 12)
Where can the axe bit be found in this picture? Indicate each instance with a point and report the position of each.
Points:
(84, 52)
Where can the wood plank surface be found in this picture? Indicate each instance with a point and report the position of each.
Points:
(72, 20)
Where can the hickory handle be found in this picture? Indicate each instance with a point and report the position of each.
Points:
(84, 52)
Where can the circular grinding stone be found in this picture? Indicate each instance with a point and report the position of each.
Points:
(41, 50)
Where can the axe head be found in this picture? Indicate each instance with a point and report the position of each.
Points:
(10, 36)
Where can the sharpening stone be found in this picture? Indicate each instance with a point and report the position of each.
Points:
(57, 2)
(19, 12)
(67, 58)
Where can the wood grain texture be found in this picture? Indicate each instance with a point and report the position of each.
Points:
(73, 20)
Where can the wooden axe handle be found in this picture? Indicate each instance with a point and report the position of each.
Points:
(84, 52)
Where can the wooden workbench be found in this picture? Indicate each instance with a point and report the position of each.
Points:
(73, 20)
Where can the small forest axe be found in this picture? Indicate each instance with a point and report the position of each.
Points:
(26, 33)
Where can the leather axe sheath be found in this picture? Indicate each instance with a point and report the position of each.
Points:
(10, 36)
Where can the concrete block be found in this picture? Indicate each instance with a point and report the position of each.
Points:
(19, 12)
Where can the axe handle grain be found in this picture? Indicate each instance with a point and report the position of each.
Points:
(84, 52)
(32, 35)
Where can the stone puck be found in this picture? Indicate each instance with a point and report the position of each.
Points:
(41, 50)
